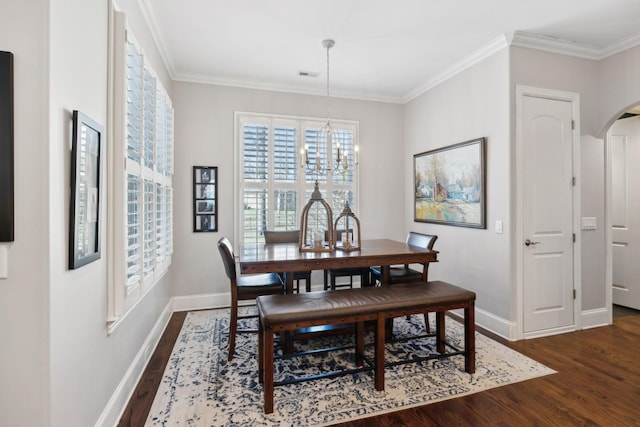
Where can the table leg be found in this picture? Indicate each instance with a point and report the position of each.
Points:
(286, 339)
(385, 279)
(289, 282)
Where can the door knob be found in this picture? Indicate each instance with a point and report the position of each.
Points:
(528, 242)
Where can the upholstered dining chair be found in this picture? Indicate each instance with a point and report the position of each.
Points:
(332, 274)
(290, 236)
(245, 287)
(404, 274)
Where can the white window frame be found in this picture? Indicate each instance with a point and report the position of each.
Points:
(123, 296)
(304, 181)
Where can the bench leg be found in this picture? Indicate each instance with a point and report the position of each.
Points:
(440, 331)
(379, 353)
(260, 352)
(268, 370)
(469, 339)
(359, 343)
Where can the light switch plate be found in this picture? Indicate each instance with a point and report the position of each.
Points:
(588, 223)
(4, 261)
(498, 227)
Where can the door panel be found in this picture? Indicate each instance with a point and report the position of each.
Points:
(548, 214)
(625, 201)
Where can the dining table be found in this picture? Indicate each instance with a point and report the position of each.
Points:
(288, 258)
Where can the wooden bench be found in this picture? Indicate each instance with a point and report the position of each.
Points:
(282, 313)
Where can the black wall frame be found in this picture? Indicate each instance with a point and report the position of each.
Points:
(6, 148)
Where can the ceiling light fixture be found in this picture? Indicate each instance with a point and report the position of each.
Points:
(329, 142)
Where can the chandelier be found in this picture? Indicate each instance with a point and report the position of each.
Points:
(331, 142)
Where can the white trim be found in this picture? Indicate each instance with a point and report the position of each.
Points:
(489, 321)
(596, 318)
(458, 67)
(301, 123)
(608, 230)
(148, 12)
(574, 98)
(571, 48)
(119, 399)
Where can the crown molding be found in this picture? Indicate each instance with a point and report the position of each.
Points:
(484, 52)
(151, 19)
(568, 47)
(288, 88)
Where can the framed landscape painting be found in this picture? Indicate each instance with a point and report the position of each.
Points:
(449, 185)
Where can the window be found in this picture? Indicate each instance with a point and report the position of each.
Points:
(273, 186)
(141, 169)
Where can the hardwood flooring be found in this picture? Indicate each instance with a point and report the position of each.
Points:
(597, 384)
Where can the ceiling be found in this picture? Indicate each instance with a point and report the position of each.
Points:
(387, 50)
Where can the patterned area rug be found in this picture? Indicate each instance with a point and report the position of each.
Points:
(200, 388)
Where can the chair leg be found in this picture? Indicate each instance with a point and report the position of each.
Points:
(308, 283)
(233, 328)
(426, 323)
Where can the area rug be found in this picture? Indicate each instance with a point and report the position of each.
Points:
(200, 388)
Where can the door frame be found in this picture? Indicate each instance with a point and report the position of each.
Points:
(517, 244)
(608, 232)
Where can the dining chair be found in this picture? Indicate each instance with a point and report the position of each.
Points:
(330, 275)
(244, 287)
(404, 274)
(289, 236)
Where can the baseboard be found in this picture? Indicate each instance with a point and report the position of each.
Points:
(595, 318)
(118, 402)
(490, 322)
(201, 302)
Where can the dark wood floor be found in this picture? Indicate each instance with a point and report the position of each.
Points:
(597, 384)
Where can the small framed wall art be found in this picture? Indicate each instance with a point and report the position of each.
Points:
(205, 199)
(86, 190)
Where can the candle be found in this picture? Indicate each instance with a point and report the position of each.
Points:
(345, 162)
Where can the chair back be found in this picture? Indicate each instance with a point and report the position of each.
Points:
(228, 259)
(290, 236)
(420, 240)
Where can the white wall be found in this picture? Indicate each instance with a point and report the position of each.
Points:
(24, 308)
(472, 104)
(58, 366)
(204, 137)
(618, 87)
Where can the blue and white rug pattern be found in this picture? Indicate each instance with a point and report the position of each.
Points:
(200, 388)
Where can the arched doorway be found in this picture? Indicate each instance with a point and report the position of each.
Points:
(622, 189)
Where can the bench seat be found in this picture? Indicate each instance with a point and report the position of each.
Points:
(281, 313)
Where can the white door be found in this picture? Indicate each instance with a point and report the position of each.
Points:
(624, 139)
(548, 295)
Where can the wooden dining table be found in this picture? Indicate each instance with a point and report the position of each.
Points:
(287, 258)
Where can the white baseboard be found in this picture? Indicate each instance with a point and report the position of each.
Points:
(120, 398)
(491, 323)
(201, 302)
(595, 318)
